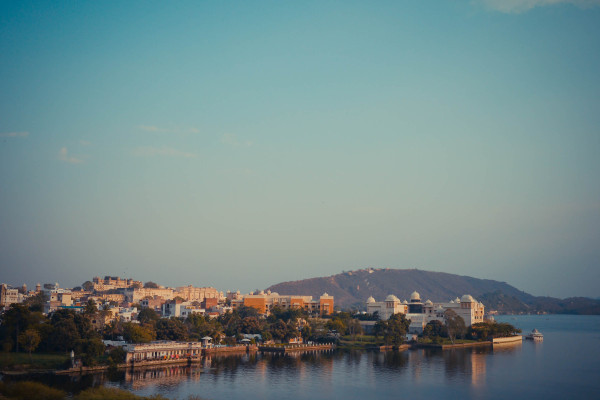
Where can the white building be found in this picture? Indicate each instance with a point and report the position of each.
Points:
(385, 309)
(420, 314)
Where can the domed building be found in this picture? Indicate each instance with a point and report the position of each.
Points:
(385, 309)
(420, 314)
(415, 306)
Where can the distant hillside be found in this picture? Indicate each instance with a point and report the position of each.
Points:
(351, 290)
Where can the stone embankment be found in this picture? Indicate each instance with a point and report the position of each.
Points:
(295, 347)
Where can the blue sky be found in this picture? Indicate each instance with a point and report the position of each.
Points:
(241, 144)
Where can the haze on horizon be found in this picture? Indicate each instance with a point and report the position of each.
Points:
(242, 144)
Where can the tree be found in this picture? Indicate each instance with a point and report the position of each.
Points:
(336, 325)
(87, 286)
(89, 350)
(30, 339)
(250, 325)
(90, 308)
(151, 285)
(393, 330)
(117, 355)
(36, 302)
(171, 329)
(435, 329)
(455, 325)
(148, 315)
(279, 330)
(135, 333)
(17, 319)
(354, 328)
(244, 312)
(489, 330)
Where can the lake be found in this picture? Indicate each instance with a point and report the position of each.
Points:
(565, 365)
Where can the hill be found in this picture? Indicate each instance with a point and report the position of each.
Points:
(352, 288)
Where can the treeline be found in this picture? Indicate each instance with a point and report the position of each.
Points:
(24, 328)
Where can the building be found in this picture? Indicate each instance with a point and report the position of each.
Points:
(178, 308)
(8, 295)
(385, 309)
(190, 293)
(420, 314)
(265, 302)
(154, 303)
(113, 282)
(135, 295)
(162, 350)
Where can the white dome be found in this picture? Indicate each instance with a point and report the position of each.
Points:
(457, 300)
(467, 298)
(405, 302)
(415, 296)
(370, 299)
(428, 302)
(451, 301)
(391, 297)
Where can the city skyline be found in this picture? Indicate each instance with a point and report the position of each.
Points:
(240, 145)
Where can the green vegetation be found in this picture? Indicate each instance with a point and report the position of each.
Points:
(490, 330)
(360, 342)
(106, 393)
(437, 333)
(21, 361)
(393, 330)
(30, 390)
(33, 390)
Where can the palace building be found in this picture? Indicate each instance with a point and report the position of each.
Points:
(420, 314)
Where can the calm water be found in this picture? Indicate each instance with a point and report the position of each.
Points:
(565, 365)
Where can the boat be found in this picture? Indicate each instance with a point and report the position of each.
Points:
(535, 335)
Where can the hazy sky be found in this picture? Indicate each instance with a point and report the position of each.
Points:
(241, 144)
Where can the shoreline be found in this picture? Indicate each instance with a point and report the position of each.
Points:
(262, 349)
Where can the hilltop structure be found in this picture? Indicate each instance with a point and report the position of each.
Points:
(420, 314)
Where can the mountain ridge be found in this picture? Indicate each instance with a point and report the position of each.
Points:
(352, 288)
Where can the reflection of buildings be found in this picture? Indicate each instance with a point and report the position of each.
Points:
(172, 375)
(478, 368)
(420, 314)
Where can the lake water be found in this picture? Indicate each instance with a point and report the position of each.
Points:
(565, 365)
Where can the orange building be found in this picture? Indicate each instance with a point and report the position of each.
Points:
(264, 302)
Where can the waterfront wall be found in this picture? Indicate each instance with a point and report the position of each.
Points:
(511, 339)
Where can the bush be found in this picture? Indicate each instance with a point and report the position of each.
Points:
(106, 393)
(117, 355)
(30, 390)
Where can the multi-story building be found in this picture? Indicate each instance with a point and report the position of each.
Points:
(134, 295)
(177, 308)
(113, 282)
(420, 314)
(154, 302)
(190, 293)
(8, 295)
(265, 302)
(385, 309)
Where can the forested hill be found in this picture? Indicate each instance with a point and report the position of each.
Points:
(351, 290)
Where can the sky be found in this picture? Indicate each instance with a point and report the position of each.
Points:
(242, 144)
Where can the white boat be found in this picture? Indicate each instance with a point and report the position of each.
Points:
(535, 335)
